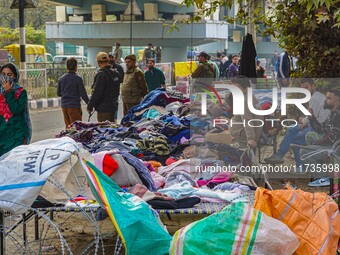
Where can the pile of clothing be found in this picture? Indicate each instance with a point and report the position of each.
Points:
(159, 153)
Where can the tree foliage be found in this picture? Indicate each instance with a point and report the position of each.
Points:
(309, 29)
(33, 36)
(37, 17)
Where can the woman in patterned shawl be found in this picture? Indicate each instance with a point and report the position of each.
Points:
(15, 125)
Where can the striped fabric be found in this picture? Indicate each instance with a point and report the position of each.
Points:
(238, 229)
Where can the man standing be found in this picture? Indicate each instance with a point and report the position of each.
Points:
(204, 69)
(233, 69)
(297, 134)
(71, 89)
(118, 53)
(213, 63)
(134, 86)
(273, 62)
(105, 90)
(283, 69)
(154, 77)
(325, 135)
(149, 53)
(114, 65)
(219, 63)
(225, 66)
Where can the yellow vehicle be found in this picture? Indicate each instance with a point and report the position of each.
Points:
(34, 53)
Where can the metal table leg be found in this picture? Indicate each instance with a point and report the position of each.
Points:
(2, 234)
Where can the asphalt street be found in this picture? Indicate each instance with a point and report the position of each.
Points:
(46, 123)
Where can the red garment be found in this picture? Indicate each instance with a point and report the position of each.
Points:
(109, 165)
(169, 161)
(4, 108)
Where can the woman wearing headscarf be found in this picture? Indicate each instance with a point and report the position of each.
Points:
(15, 125)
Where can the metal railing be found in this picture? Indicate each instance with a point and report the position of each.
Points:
(43, 83)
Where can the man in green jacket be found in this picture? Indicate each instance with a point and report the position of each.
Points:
(134, 86)
(204, 74)
(154, 77)
(204, 69)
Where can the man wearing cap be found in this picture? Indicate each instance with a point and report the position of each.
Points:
(114, 65)
(204, 69)
(134, 86)
(105, 90)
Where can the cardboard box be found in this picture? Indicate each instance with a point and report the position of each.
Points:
(180, 17)
(150, 11)
(76, 18)
(111, 18)
(61, 15)
(98, 12)
(127, 17)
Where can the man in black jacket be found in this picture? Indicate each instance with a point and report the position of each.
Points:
(105, 90)
(326, 135)
(283, 69)
(114, 65)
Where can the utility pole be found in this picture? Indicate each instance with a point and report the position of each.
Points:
(131, 12)
(21, 5)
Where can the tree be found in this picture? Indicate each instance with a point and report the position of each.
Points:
(33, 36)
(305, 28)
(37, 17)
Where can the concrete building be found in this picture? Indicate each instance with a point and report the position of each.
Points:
(98, 24)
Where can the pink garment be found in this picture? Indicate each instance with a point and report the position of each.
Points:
(183, 140)
(158, 180)
(221, 177)
(197, 138)
(99, 157)
(149, 166)
(201, 183)
(218, 178)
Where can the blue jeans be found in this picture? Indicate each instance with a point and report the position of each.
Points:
(297, 136)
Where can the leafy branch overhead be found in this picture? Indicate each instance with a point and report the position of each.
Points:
(309, 29)
(33, 36)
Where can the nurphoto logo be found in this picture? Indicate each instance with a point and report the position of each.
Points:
(238, 108)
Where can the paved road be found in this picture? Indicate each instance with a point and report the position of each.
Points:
(46, 123)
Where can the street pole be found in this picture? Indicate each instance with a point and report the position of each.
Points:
(21, 5)
(131, 11)
(22, 34)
